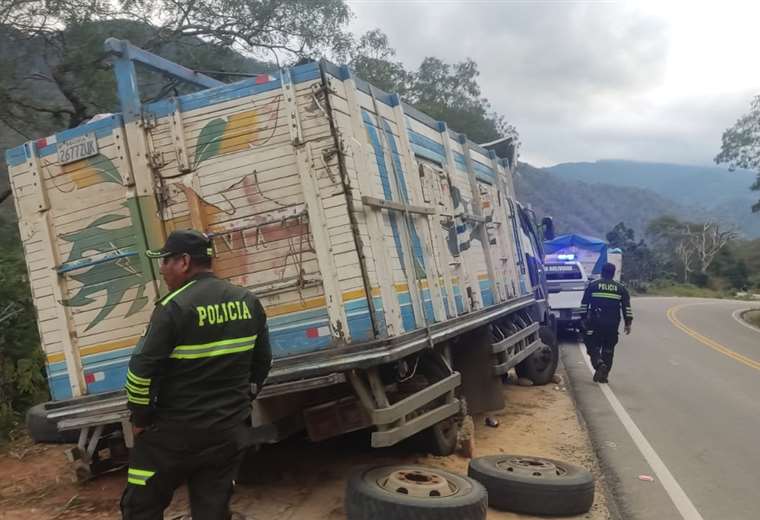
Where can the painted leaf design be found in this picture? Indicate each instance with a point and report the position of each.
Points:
(105, 169)
(209, 140)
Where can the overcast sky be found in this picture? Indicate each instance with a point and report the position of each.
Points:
(653, 81)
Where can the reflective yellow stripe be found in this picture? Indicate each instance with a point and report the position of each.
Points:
(139, 477)
(137, 379)
(216, 351)
(201, 346)
(175, 293)
(606, 295)
(141, 472)
(135, 390)
(138, 400)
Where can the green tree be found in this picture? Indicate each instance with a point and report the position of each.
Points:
(740, 147)
(692, 247)
(22, 379)
(69, 81)
(640, 264)
(374, 60)
(444, 91)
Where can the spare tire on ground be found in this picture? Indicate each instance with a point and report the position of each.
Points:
(413, 493)
(43, 429)
(534, 485)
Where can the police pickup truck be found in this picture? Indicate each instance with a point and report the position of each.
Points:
(566, 282)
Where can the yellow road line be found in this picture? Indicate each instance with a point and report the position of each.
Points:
(673, 318)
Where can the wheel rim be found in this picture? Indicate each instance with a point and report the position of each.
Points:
(531, 467)
(420, 483)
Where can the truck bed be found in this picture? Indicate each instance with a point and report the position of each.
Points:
(367, 228)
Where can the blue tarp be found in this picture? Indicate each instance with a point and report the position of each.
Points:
(579, 242)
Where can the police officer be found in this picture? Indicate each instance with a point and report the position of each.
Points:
(604, 301)
(190, 383)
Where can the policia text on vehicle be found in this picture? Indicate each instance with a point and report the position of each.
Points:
(189, 385)
(604, 301)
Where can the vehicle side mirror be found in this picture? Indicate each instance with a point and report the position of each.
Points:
(547, 223)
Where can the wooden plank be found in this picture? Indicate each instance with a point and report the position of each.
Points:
(397, 206)
(317, 221)
(405, 238)
(429, 251)
(71, 352)
(481, 230)
(440, 248)
(506, 235)
(462, 270)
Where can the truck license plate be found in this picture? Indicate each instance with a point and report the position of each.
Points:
(77, 148)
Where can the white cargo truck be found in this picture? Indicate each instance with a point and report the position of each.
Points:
(400, 275)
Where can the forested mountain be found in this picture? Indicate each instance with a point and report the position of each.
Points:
(705, 190)
(591, 208)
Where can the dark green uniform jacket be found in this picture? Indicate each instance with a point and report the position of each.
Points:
(604, 301)
(205, 344)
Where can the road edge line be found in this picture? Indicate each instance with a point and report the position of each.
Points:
(735, 315)
(677, 495)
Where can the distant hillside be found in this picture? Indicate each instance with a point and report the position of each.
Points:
(592, 209)
(700, 189)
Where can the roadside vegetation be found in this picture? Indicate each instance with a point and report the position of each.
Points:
(752, 317)
(679, 258)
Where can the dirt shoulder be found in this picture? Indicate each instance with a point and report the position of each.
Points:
(301, 480)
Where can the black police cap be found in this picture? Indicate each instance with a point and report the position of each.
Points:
(184, 241)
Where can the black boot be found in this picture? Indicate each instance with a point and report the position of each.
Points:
(600, 375)
(604, 374)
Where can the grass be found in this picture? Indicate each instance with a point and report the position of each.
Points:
(752, 317)
(682, 289)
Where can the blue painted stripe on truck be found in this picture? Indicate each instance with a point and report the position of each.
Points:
(421, 117)
(380, 95)
(426, 147)
(483, 172)
(459, 302)
(460, 161)
(289, 339)
(487, 294)
(16, 155)
(232, 91)
(427, 154)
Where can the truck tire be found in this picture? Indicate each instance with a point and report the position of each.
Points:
(534, 485)
(441, 438)
(413, 493)
(42, 429)
(540, 366)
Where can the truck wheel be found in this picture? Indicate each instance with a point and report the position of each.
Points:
(413, 493)
(534, 485)
(540, 366)
(42, 429)
(441, 438)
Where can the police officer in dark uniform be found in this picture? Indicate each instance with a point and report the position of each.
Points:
(190, 383)
(604, 301)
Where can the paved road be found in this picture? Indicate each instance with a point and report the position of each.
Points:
(688, 378)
